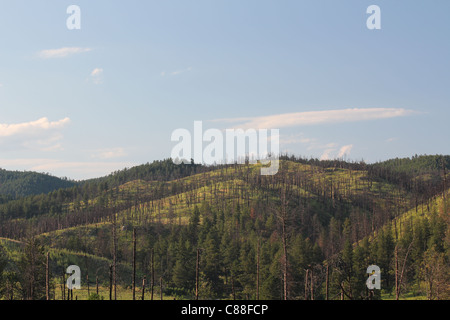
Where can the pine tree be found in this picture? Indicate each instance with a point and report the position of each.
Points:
(184, 269)
(211, 262)
(32, 270)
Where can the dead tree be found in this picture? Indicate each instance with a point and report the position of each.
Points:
(283, 220)
(114, 264)
(110, 281)
(47, 277)
(327, 283)
(257, 271)
(197, 273)
(161, 287)
(143, 288)
(134, 264)
(63, 286)
(306, 284)
(152, 284)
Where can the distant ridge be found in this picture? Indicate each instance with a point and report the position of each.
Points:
(16, 184)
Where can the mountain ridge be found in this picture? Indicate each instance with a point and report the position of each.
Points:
(16, 184)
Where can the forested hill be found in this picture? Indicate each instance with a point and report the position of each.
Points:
(427, 166)
(15, 184)
(158, 170)
(315, 224)
(406, 171)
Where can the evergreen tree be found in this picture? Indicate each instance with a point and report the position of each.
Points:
(184, 269)
(32, 270)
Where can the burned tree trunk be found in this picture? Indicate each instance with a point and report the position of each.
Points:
(47, 277)
(143, 288)
(134, 264)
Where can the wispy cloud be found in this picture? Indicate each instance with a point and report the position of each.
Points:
(42, 135)
(62, 52)
(96, 76)
(345, 150)
(325, 150)
(391, 139)
(46, 143)
(109, 153)
(316, 117)
(326, 154)
(174, 73)
(31, 127)
(295, 139)
(329, 151)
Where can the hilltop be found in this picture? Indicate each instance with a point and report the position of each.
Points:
(17, 184)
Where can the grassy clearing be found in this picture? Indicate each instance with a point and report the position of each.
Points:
(122, 293)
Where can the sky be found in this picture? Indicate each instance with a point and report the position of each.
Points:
(82, 103)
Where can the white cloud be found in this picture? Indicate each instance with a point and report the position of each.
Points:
(345, 150)
(177, 72)
(316, 117)
(96, 76)
(110, 153)
(326, 154)
(62, 52)
(325, 150)
(42, 135)
(317, 146)
(97, 72)
(295, 138)
(330, 149)
(32, 127)
(46, 143)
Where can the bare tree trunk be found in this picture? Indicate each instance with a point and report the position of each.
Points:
(152, 285)
(143, 288)
(312, 285)
(64, 286)
(444, 191)
(327, 283)
(197, 273)
(257, 273)
(306, 284)
(114, 270)
(232, 288)
(110, 281)
(397, 289)
(47, 277)
(284, 241)
(87, 281)
(161, 287)
(134, 264)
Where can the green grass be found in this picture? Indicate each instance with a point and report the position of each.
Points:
(122, 293)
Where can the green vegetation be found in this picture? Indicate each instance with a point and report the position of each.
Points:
(309, 232)
(16, 184)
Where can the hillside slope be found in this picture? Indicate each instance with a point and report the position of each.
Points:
(17, 184)
(257, 236)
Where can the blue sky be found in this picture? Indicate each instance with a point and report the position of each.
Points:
(83, 103)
